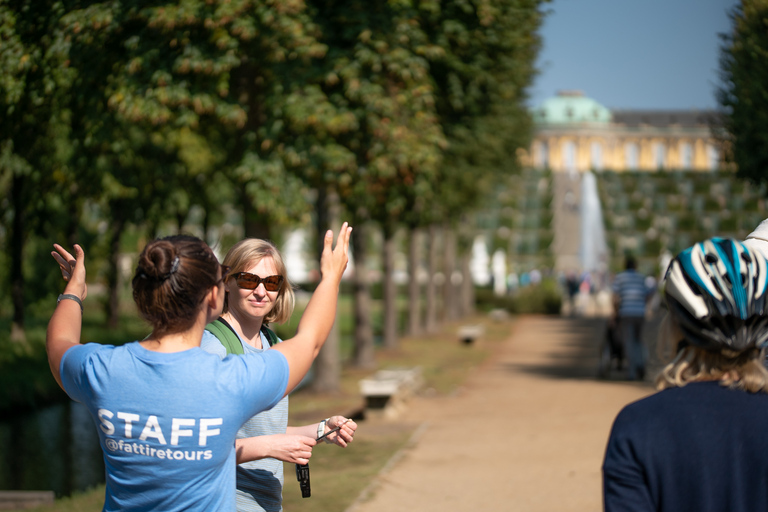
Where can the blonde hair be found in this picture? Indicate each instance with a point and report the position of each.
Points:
(251, 251)
(737, 370)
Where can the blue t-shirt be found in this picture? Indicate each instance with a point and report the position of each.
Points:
(702, 447)
(167, 422)
(632, 292)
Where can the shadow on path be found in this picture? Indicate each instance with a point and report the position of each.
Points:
(576, 358)
(579, 356)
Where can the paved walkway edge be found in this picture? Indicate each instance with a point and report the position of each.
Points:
(368, 491)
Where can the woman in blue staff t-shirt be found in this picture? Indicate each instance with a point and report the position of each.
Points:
(167, 413)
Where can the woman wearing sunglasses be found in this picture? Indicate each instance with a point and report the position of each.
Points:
(166, 412)
(257, 294)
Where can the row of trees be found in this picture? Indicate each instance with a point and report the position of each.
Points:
(743, 94)
(398, 113)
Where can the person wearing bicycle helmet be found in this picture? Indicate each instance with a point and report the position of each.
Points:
(700, 443)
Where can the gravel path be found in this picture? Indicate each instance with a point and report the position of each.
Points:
(526, 432)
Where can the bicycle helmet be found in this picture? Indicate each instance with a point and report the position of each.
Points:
(716, 291)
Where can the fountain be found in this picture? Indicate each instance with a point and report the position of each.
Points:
(593, 251)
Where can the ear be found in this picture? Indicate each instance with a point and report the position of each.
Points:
(214, 301)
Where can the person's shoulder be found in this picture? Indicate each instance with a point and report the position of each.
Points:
(211, 344)
(677, 398)
(648, 407)
(87, 349)
(94, 355)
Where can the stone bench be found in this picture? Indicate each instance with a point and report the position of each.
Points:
(14, 500)
(469, 333)
(387, 391)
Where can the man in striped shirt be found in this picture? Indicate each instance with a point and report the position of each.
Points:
(630, 294)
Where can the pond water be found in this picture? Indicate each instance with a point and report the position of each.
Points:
(53, 449)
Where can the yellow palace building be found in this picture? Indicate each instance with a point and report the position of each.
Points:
(575, 133)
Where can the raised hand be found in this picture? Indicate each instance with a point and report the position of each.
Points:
(333, 261)
(72, 269)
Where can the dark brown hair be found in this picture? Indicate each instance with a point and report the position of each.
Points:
(172, 278)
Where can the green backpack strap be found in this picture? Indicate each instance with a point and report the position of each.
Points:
(270, 335)
(226, 336)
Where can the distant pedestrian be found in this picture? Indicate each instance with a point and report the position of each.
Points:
(630, 294)
(700, 443)
(572, 286)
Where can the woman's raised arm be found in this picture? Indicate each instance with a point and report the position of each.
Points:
(64, 328)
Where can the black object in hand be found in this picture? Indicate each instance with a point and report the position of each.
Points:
(302, 475)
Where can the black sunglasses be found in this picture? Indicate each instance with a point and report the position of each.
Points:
(252, 281)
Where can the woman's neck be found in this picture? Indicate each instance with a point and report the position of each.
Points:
(249, 328)
(174, 342)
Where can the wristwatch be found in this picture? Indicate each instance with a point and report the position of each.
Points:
(321, 428)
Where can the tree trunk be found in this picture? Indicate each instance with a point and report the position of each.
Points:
(180, 219)
(113, 270)
(390, 291)
(254, 224)
(414, 304)
(327, 366)
(17, 258)
(431, 293)
(364, 356)
(467, 286)
(450, 299)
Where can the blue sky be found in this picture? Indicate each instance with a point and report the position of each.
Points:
(639, 54)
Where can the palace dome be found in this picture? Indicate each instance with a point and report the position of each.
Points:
(571, 107)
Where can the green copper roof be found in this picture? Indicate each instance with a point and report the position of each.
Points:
(571, 107)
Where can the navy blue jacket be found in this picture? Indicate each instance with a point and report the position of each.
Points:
(702, 447)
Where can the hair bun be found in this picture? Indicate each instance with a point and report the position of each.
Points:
(158, 261)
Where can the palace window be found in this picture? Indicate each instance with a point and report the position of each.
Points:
(713, 157)
(596, 156)
(686, 155)
(542, 157)
(569, 156)
(631, 156)
(659, 155)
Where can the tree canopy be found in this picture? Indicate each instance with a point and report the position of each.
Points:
(744, 92)
(135, 116)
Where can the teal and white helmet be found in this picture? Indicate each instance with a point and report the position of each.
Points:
(716, 291)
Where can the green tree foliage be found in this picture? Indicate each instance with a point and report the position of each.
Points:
(481, 62)
(33, 132)
(232, 71)
(481, 59)
(143, 112)
(744, 94)
(374, 71)
(176, 97)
